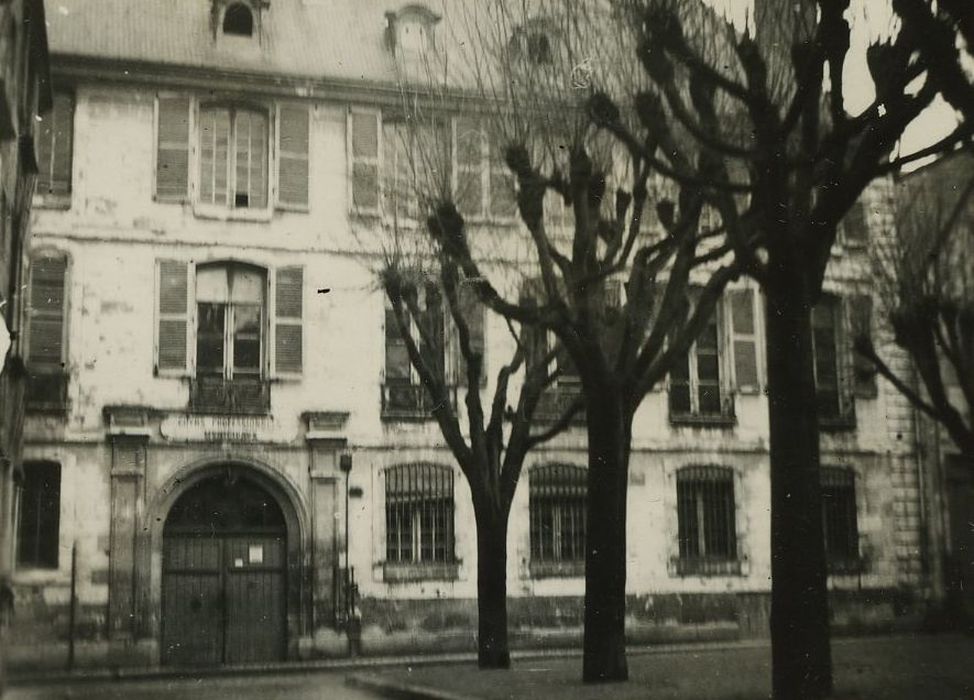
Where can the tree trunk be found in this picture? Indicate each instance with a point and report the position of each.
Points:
(801, 660)
(492, 648)
(609, 430)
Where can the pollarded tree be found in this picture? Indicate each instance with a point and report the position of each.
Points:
(926, 278)
(437, 329)
(611, 285)
(768, 108)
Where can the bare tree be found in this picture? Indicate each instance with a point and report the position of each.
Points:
(612, 286)
(926, 276)
(786, 158)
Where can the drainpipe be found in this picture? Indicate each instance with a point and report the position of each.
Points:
(353, 624)
(73, 604)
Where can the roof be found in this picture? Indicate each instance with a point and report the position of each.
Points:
(314, 39)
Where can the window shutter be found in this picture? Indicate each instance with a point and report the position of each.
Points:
(292, 148)
(45, 346)
(172, 148)
(363, 146)
(173, 320)
(54, 147)
(743, 340)
(855, 225)
(475, 314)
(288, 312)
(860, 322)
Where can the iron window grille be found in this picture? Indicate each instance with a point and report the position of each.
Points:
(40, 516)
(557, 509)
(840, 519)
(706, 520)
(419, 514)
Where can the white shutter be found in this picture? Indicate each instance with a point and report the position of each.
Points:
(288, 346)
(363, 143)
(743, 339)
(292, 156)
(174, 306)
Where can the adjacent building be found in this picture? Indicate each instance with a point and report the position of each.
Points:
(227, 455)
(24, 97)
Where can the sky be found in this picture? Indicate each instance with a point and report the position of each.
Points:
(870, 20)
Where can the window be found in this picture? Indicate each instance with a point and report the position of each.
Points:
(214, 318)
(706, 517)
(403, 395)
(391, 161)
(235, 158)
(484, 184)
(419, 514)
(695, 379)
(474, 315)
(833, 404)
(229, 321)
(238, 20)
(557, 508)
(861, 322)
(839, 519)
(40, 516)
(54, 148)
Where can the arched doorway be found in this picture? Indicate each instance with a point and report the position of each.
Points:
(224, 569)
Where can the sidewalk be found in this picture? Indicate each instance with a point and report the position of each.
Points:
(874, 668)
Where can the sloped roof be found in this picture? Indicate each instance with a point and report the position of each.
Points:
(315, 39)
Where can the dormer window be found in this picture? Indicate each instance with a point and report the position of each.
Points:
(410, 30)
(238, 20)
(532, 43)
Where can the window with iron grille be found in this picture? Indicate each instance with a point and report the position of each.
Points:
(840, 518)
(55, 133)
(40, 516)
(557, 508)
(706, 515)
(419, 514)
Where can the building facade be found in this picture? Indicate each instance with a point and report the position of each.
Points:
(227, 457)
(24, 95)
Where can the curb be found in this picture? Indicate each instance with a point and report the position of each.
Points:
(41, 678)
(401, 691)
(342, 664)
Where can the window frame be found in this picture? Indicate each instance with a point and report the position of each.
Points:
(228, 372)
(560, 488)
(233, 109)
(706, 564)
(842, 478)
(725, 416)
(439, 492)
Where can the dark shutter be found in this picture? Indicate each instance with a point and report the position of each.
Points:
(288, 312)
(45, 346)
(855, 225)
(54, 147)
(173, 315)
(474, 314)
(172, 148)
(744, 340)
(292, 164)
(863, 371)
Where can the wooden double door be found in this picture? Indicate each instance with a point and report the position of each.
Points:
(224, 577)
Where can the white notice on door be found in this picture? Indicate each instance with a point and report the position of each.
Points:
(256, 554)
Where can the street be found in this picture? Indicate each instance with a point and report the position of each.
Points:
(305, 686)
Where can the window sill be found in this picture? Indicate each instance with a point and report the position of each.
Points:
(402, 572)
(52, 201)
(702, 420)
(708, 567)
(837, 424)
(208, 211)
(556, 569)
